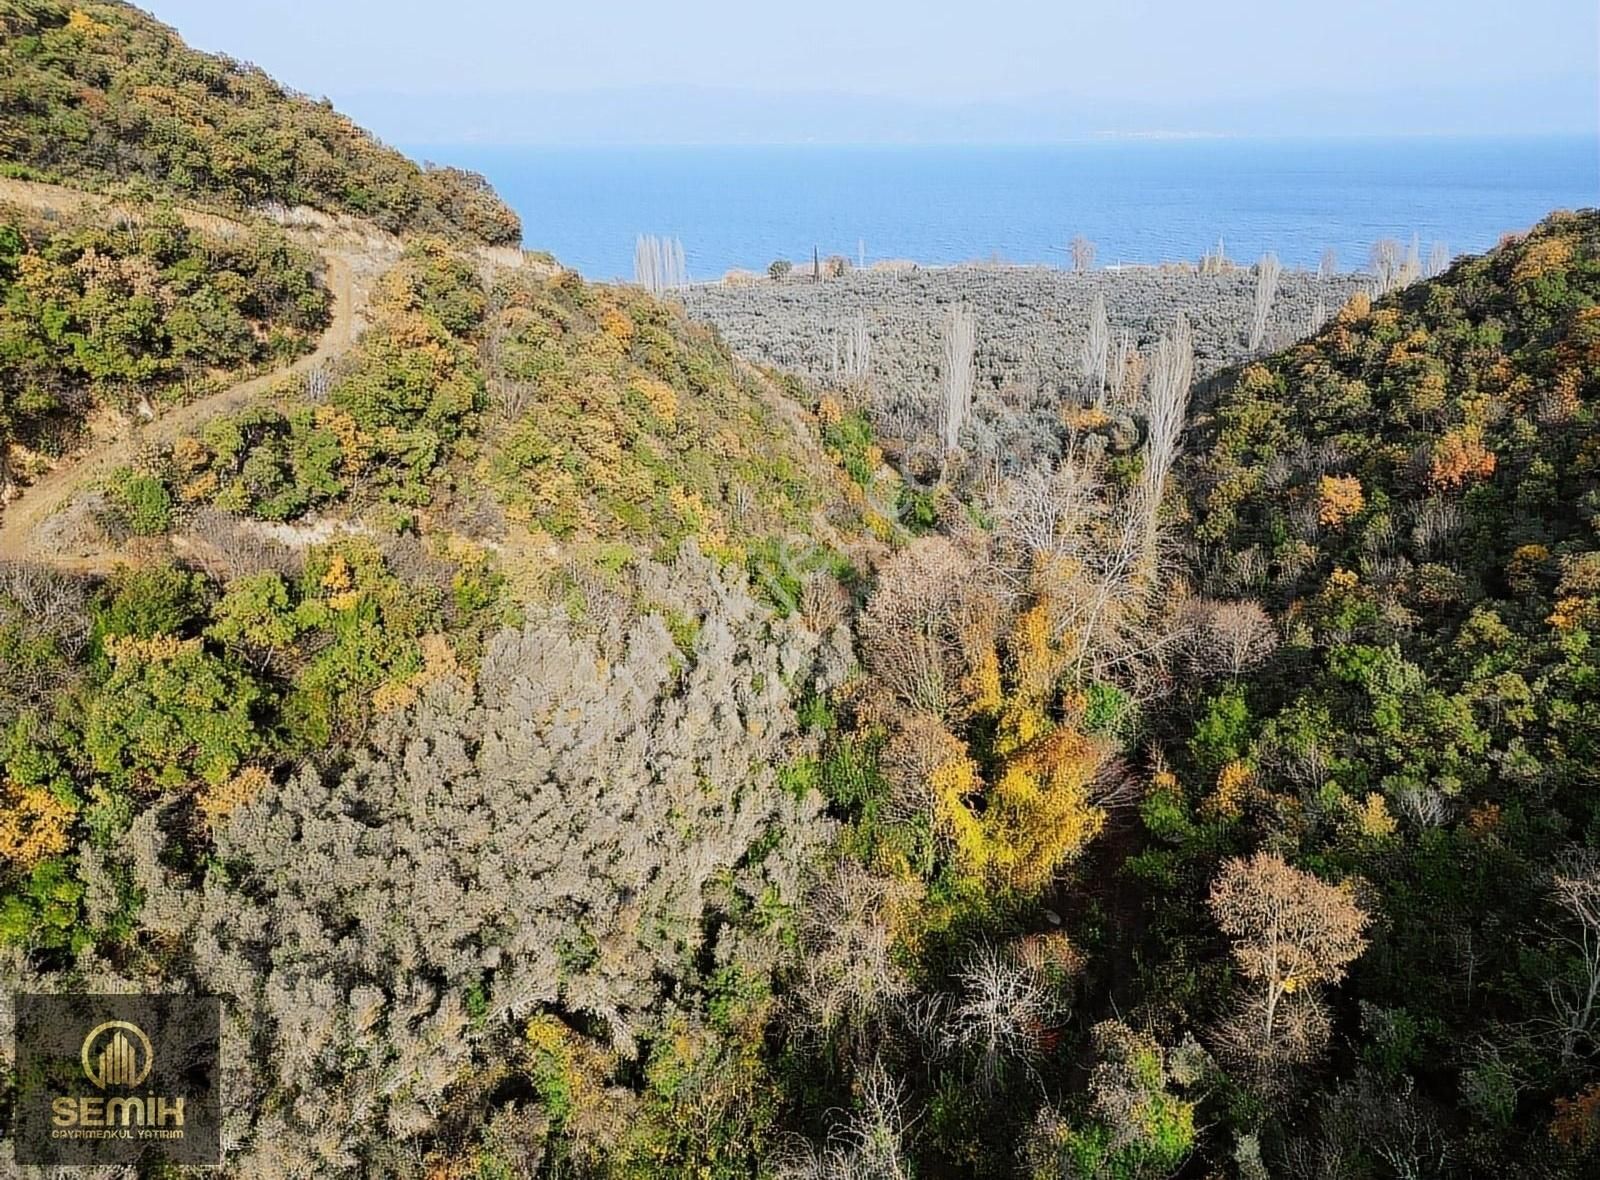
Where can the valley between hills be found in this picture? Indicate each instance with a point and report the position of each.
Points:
(972, 723)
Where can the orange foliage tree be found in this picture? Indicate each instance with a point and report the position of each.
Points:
(1339, 497)
(1458, 459)
(33, 826)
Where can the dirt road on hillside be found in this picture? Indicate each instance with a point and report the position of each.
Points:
(351, 261)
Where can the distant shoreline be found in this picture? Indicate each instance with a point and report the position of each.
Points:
(900, 266)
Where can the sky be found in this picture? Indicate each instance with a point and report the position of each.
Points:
(504, 71)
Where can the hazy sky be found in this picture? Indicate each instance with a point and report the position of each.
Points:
(1168, 61)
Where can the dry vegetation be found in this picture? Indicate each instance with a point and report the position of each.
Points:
(1031, 329)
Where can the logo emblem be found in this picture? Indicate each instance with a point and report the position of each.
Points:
(112, 1058)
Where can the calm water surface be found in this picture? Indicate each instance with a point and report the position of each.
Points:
(1139, 201)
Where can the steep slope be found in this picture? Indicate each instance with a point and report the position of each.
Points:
(43, 498)
(1414, 496)
(620, 420)
(403, 638)
(526, 409)
(100, 93)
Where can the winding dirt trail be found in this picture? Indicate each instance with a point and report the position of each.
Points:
(352, 258)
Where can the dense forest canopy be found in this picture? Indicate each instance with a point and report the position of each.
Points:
(1414, 497)
(101, 93)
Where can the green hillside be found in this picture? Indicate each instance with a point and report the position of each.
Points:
(131, 315)
(239, 582)
(102, 94)
(1414, 495)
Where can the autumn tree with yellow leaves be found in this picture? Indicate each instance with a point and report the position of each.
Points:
(1339, 497)
(33, 826)
(1037, 813)
(954, 652)
(984, 647)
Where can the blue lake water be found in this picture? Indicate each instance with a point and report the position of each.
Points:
(1139, 201)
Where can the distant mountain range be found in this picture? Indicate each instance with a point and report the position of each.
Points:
(709, 114)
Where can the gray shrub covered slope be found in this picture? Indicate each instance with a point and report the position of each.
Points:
(557, 835)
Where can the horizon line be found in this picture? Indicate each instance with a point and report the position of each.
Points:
(1092, 139)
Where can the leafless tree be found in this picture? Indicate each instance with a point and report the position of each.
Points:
(1089, 542)
(956, 408)
(1318, 318)
(1245, 570)
(911, 630)
(48, 600)
(517, 1135)
(1370, 1116)
(919, 746)
(852, 352)
(1047, 514)
(1329, 264)
(234, 547)
(1083, 252)
(1095, 353)
(1411, 268)
(1437, 522)
(1214, 262)
(678, 273)
(39, 604)
(1438, 259)
(658, 264)
(510, 398)
(868, 1144)
(1228, 638)
(1576, 997)
(1122, 366)
(846, 970)
(1171, 375)
(1307, 761)
(824, 603)
(1424, 806)
(1267, 272)
(1001, 1012)
(319, 380)
(1385, 263)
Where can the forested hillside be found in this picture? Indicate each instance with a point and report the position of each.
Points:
(1414, 499)
(102, 94)
(545, 536)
